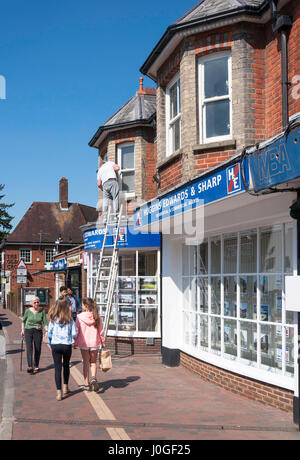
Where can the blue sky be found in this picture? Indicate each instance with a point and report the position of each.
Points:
(68, 65)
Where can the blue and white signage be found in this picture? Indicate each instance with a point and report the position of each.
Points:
(223, 183)
(128, 238)
(276, 163)
(60, 264)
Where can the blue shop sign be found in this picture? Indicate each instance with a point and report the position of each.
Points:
(128, 238)
(60, 264)
(277, 163)
(221, 184)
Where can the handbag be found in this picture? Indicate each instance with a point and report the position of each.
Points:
(105, 362)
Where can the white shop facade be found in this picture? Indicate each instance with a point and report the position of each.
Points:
(223, 295)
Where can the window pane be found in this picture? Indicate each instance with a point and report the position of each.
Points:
(230, 283)
(271, 298)
(175, 132)
(248, 338)
(128, 181)
(270, 249)
(216, 295)
(216, 78)
(248, 254)
(248, 290)
(230, 253)
(204, 331)
(230, 337)
(174, 100)
(271, 346)
(217, 118)
(216, 333)
(203, 259)
(216, 255)
(289, 335)
(288, 259)
(203, 286)
(148, 263)
(127, 265)
(127, 157)
(148, 319)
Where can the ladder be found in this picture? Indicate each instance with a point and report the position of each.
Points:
(107, 274)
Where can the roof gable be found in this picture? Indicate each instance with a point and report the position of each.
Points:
(206, 8)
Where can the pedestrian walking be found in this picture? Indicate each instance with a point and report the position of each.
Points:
(107, 181)
(73, 301)
(34, 323)
(61, 335)
(90, 339)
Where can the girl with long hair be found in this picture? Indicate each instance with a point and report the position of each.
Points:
(90, 339)
(62, 331)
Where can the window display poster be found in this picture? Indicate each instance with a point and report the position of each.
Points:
(147, 284)
(126, 298)
(279, 354)
(147, 299)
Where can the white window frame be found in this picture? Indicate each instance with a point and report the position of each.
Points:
(26, 261)
(128, 195)
(170, 149)
(202, 102)
(47, 253)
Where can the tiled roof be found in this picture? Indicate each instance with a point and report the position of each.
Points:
(139, 108)
(206, 8)
(49, 219)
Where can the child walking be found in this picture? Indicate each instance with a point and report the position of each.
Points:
(61, 335)
(90, 338)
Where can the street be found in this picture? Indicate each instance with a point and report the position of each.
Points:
(139, 399)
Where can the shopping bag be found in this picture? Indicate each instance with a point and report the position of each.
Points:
(105, 360)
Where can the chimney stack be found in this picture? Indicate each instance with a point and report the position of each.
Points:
(63, 194)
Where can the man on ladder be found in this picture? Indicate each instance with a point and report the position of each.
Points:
(107, 181)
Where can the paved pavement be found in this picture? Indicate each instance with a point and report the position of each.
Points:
(139, 399)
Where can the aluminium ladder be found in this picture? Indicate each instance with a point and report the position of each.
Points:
(107, 274)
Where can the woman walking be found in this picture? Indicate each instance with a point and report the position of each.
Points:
(90, 338)
(61, 335)
(33, 322)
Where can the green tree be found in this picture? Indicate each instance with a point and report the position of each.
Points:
(5, 218)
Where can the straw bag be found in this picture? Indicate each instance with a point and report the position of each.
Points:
(105, 363)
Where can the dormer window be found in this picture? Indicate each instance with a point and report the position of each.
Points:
(173, 116)
(127, 165)
(215, 112)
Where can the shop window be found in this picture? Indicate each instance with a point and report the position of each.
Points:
(137, 293)
(234, 301)
(215, 97)
(173, 116)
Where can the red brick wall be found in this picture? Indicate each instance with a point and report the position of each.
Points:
(205, 161)
(171, 175)
(127, 345)
(252, 389)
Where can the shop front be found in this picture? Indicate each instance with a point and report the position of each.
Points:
(223, 287)
(135, 320)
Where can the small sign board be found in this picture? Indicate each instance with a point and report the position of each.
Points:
(21, 271)
(21, 279)
(21, 264)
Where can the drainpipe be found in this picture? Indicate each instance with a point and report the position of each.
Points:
(283, 24)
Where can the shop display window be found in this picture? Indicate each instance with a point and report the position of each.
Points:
(136, 302)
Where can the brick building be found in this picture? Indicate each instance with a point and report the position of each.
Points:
(128, 139)
(44, 230)
(228, 111)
